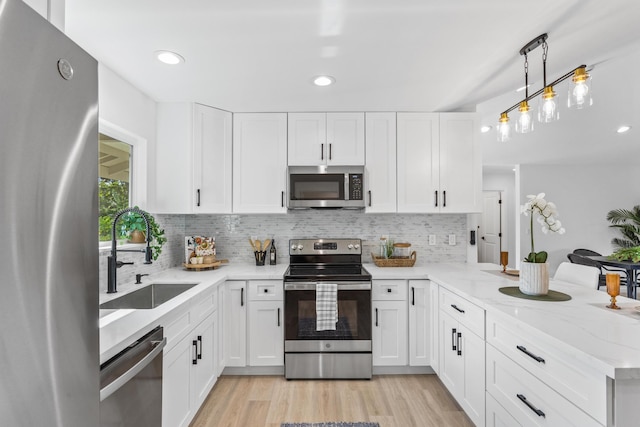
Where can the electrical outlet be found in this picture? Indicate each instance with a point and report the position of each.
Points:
(452, 239)
(432, 239)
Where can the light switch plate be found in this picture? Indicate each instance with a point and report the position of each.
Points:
(432, 239)
(452, 239)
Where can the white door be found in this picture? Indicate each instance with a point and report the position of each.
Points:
(235, 339)
(489, 233)
(389, 333)
(345, 139)
(419, 323)
(266, 334)
(307, 137)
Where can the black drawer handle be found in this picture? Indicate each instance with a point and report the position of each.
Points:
(436, 198)
(369, 198)
(459, 343)
(321, 151)
(198, 197)
(282, 199)
(413, 295)
(241, 297)
(376, 317)
(457, 308)
(266, 290)
(389, 290)
(194, 361)
(531, 355)
(537, 411)
(453, 339)
(199, 342)
(278, 316)
(444, 199)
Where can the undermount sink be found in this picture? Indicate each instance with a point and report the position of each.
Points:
(148, 297)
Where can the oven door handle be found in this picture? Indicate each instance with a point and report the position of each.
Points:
(311, 286)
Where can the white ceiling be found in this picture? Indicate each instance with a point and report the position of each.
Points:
(386, 55)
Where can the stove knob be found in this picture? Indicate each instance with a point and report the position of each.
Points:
(357, 246)
(293, 247)
(300, 247)
(350, 246)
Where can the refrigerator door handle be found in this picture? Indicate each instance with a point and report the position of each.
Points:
(111, 388)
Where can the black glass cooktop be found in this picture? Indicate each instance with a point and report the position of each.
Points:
(326, 272)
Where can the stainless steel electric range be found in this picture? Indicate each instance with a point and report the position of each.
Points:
(340, 352)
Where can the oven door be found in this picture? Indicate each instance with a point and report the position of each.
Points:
(353, 330)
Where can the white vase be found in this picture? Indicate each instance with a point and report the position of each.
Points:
(534, 278)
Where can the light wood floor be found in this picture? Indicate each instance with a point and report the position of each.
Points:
(390, 400)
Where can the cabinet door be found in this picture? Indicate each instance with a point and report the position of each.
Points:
(177, 403)
(434, 337)
(460, 163)
(380, 178)
(235, 342)
(418, 175)
(345, 139)
(389, 333)
(259, 162)
(212, 160)
(266, 336)
(472, 390)
(173, 152)
(451, 364)
(204, 373)
(307, 134)
(497, 416)
(419, 323)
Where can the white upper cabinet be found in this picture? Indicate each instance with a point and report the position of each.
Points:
(259, 162)
(194, 140)
(212, 146)
(380, 172)
(439, 164)
(326, 139)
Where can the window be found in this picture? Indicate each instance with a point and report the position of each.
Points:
(114, 160)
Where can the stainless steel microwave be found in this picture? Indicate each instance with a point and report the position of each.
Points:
(325, 187)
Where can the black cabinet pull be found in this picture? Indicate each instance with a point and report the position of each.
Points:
(457, 308)
(453, 339)
(413, 295)
(436, 198)
(369, 198)
(266, 290)
(389, 290)
(531, 355)
(537, 411)
(458, 340)
(278, 316)
(321, 151)
(241, 297)
(194, 361)
(282, 199)
(444, 199)
(198, 197)
(199, 351)
(330, 151)
(376, 317)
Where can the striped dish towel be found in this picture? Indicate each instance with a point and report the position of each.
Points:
(326, 306)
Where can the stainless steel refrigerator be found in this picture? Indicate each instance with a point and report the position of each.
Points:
(49, 337)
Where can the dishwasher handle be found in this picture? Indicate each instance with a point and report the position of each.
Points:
(114, 386)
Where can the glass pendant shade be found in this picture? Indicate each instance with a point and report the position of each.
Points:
(525, 122)
(548, 107)
(503, 128)
(580, 90)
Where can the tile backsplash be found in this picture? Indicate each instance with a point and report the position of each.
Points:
(233, 231)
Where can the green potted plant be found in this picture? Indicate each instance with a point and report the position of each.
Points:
(534, 272)
(628, 222)
(133, 227)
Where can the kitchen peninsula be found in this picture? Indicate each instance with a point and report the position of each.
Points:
(570, 363)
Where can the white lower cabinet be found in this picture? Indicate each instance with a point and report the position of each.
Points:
(497, 416)
(266, 327)
(419, 323)
(389, 323)
(189, 373)
(235, 336)
(462, 357)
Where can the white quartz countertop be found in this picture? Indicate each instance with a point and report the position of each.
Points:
(606, 339)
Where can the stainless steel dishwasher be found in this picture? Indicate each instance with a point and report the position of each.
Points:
(131, 384)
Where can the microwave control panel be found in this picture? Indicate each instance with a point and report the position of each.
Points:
(355, 186)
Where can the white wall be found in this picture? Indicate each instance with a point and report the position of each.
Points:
(52, 10)
(583, 195)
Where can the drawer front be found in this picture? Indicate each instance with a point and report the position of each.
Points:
(266, 290)
(176, 325)
(464, 311)
(204, 304)
(527, 399)
(497, 416)
(565, 373)
(389, 290)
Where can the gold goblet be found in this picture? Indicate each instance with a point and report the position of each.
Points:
(613, 288)
(504, 260)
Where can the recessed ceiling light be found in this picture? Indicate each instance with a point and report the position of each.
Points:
(485, 129)
(168, 57)
(323, 80)
(623, 129)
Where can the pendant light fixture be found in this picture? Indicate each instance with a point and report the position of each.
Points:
(579, 94)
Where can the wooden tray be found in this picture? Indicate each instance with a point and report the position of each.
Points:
(395, 262)
(210, 266)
